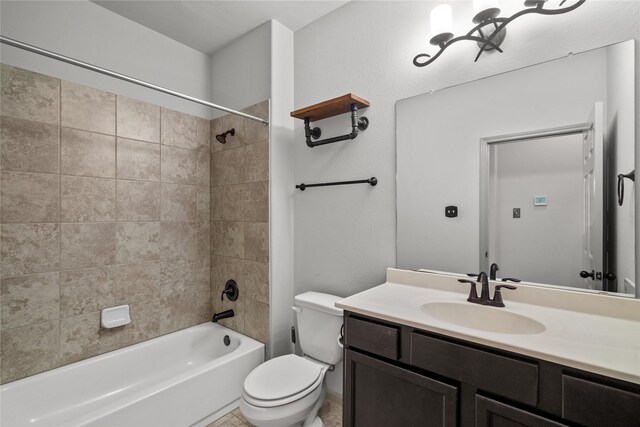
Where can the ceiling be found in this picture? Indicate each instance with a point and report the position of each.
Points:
(208, 26)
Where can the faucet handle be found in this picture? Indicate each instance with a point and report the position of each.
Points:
(473, 293)
(511, 279)
(497, 295)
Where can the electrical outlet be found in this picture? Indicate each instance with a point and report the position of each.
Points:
(451, 211)
(516, 213)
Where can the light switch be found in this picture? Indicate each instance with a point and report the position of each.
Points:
(516, 212)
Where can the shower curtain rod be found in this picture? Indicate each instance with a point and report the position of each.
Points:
(87, 66)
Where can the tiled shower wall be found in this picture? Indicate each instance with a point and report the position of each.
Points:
(104, 201)
(240, 220)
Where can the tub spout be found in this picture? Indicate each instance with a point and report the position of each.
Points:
(222, 315)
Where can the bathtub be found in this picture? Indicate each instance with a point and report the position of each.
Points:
(187, 378)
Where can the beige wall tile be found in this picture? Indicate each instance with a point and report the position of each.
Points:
(137, 282)
(203, 203)
(29, 95)
(29, 350)
(257, 280)
(86, 290)
(29, 248)
(216, 129)
(256, 241)
(179, 165)
(203, 133)
(203, 241)
(176, 312)
(233, 239)
(87, 199)
(256, 162)
(233, 164)
(256, 325)
(203, 304)
(216, 168)
(29, 146)
(138, 160)
(256, 201)
(138, 201)
(87, 154)
(177, 239)
(79, 337)
(145, 320)
(137, 119)
(178, 203)
(176, 277)
(256, 131)
(29, 197)
(217, 197)
(233, 202)
(27, 300)
(178, 129)
(115, 338)
(86, 108)
(217, 237)
(203, 166)
(87, 245)
(231, 121)
(138, 241)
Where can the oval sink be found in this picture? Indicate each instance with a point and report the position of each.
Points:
(483, 318)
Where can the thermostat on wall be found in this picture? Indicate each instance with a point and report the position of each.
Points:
(540, 201)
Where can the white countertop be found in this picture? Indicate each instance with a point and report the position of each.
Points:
(595, 333)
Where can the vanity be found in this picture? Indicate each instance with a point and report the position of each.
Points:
(418, 354)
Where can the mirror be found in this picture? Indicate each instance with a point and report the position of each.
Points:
(521, 169)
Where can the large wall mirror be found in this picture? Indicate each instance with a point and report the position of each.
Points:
(523, 169)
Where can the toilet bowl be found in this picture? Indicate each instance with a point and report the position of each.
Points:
(288, 390)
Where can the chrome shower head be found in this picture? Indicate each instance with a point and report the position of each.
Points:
(222, 138)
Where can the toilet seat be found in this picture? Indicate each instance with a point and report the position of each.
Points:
(283, 380)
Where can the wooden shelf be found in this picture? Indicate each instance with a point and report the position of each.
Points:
(330, 108)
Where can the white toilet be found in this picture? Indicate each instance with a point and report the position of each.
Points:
(289, 390)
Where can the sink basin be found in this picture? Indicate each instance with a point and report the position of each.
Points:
(483, 318)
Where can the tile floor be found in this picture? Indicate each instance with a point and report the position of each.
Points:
(331, 414)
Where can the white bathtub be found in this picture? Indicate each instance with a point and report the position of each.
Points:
(185, 378)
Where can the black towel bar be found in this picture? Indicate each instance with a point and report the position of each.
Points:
(373, 181)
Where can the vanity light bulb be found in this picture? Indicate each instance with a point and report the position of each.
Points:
(441, 20)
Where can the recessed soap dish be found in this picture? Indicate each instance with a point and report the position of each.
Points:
(115, 316)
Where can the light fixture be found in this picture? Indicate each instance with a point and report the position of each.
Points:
(490, 29)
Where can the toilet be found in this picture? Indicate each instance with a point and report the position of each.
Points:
(288, 390)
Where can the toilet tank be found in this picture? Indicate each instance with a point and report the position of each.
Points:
(319, 323)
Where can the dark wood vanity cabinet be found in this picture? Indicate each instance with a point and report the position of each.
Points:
(396, 375)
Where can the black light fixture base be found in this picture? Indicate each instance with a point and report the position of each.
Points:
(488, 32)
(441, 38)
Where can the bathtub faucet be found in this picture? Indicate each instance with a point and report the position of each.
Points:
(222, 315)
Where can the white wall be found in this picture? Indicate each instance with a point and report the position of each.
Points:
(620, 118)
(90, 33)
(281, 189)
(345, 236)
(241, 72)
(544, 245)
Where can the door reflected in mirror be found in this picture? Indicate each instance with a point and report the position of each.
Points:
(531, 159)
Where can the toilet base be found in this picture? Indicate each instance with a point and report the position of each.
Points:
(288, 415)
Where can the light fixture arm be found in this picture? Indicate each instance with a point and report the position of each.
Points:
(500, 24)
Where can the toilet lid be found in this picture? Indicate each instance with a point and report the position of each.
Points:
(282, 377)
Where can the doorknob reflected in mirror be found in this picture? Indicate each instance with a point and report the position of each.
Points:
(585, 274)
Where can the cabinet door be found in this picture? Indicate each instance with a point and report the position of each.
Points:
(380, 394)
(491, 413)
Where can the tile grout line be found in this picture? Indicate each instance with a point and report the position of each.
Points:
(59, 216)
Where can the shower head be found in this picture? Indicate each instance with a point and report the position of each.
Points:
(222, 138)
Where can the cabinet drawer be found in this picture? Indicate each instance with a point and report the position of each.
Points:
(593, 404)
(372, 337)
(505, 376)
(490, 412)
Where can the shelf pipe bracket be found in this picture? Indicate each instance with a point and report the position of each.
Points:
(357, 124)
